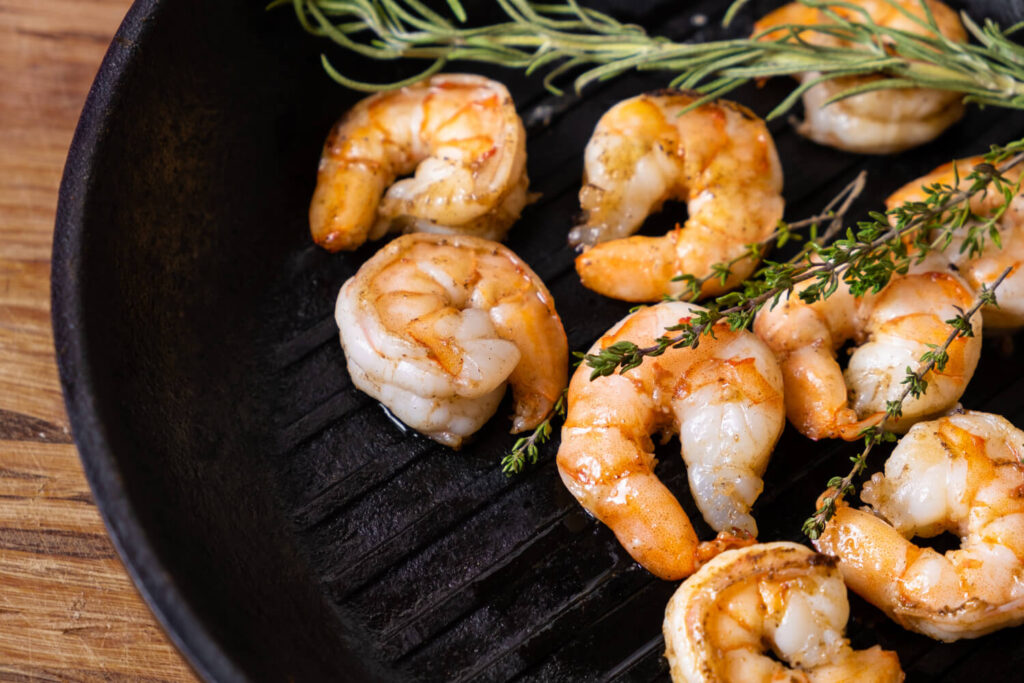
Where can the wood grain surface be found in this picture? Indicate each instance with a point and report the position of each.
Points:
(68, 611)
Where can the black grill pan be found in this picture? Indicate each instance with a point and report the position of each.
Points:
(281, 525)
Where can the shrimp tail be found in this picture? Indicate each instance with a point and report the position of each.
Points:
(732, 539)
(533, 404)
(853, 431)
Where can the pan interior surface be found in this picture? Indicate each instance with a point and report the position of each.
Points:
(278, 521)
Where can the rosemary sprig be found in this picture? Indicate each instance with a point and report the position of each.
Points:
(916, 385)
(865, 259)
(566, 37)
(525, 450)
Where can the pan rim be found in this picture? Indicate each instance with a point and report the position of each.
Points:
(185, 629)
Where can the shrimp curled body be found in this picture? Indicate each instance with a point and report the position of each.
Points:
(724, 398)
(719, 158)
(782, 595)
(882, 121)
(460, 134)
(962, 473)
(893, 328)
(982, 269)
(433, 326)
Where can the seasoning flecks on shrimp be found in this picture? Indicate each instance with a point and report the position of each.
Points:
(434, 326)
(882, 121)
(723, 398)
(779, 595)
(719, 157)
(962, 473)
(460, 134)
(893, 328)
(985, 268)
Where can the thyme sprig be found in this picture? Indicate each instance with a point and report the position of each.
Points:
(562, 37)
(916, 384)
(864, 259)
(525, 450)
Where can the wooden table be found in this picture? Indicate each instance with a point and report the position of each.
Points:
(68, 611)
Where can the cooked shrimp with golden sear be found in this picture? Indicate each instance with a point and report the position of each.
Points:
(723, 398)
(893, 329)
(882, 121)
(963, 473)
(986, 267)
(461, 136)
(434, 326)
(781, 596)
(719, 158)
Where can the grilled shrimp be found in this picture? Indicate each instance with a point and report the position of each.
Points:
(460, 134)
(961, 473)
(893, 328)
(724, 399)
(433, 326)
(986, 267)
(779, 595)
(719, 157)
(879, 122)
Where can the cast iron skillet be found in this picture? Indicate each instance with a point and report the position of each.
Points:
(279, 524)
